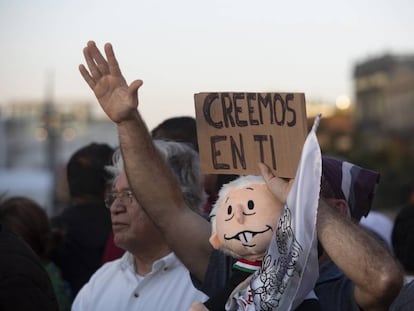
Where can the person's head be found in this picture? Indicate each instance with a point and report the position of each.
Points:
(402, 238)
(28, 219)
(181, 129)
(244, 218)
(184, 163)
(133, 229)
(86, 174)
(348, 187)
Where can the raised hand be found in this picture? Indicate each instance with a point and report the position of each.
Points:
(104, 77)
(279, 187)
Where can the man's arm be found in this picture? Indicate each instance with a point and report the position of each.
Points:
(152, 182)
(374, 272)
(158, 192)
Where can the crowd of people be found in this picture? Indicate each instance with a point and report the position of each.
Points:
(137, 233)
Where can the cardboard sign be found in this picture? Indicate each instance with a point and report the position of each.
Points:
(236, 131)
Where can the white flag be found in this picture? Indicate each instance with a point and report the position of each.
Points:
(290, 266)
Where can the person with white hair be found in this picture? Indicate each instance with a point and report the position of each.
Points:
(148, 276)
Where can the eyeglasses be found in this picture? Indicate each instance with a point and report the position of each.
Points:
(126, 197)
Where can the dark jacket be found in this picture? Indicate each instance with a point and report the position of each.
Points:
(86, 229)
(24, 283)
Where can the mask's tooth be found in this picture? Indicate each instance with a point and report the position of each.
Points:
(245, 237)
(248, 236)
(242, 237)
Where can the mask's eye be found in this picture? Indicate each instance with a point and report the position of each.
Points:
(250, 204)
(229, 210)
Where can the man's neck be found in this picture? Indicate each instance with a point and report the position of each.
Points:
(144, 260)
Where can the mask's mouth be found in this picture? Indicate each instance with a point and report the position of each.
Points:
(246, 236)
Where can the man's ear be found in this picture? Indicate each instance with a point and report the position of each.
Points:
(215, 241)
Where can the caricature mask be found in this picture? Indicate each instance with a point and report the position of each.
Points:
(244, 218)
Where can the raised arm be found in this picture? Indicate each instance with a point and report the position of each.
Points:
(152, 182)
(374, 272)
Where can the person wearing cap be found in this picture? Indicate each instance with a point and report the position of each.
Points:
(373, 275)
(357, 272)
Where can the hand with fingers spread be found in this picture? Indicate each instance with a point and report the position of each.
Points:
(104, 77)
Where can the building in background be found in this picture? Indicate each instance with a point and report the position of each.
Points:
(384, 95)
(384, 110)
(38, 138)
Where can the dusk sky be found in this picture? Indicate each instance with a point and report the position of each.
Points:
(184, 47)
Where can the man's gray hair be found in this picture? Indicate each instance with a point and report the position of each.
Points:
(184, 162)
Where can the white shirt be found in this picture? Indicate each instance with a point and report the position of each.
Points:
(116, 287)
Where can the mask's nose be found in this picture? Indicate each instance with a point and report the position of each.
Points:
(238, 213)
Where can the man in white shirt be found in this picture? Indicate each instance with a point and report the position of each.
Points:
(148, 276)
